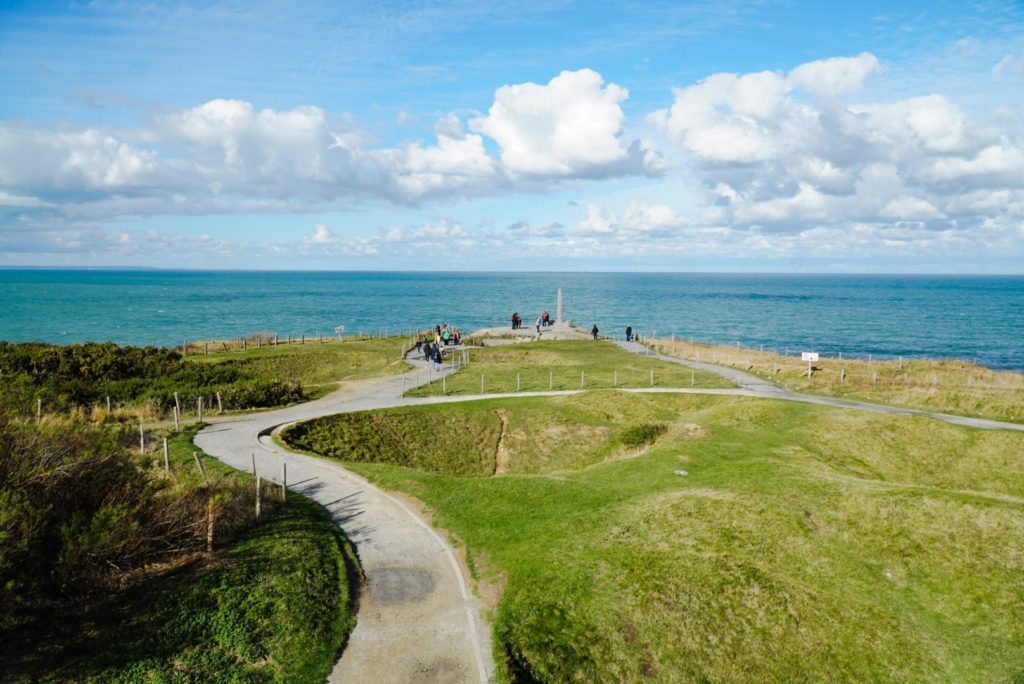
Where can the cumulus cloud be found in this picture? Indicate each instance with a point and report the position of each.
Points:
(572, 126)
(768, 158)
(228, 155)
(835, 76)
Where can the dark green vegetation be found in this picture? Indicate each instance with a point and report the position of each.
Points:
(104, 574)
(558, 365)
(752, 540)
(81, 376)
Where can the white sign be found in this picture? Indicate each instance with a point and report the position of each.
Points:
(340, 329)
(809, 356)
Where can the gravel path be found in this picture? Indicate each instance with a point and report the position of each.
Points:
(418, 619)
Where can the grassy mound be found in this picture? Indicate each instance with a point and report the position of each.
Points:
(482, 438)
(563, 365)
(752, 541)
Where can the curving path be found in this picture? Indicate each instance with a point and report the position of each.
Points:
(418, 619)
(751, 385)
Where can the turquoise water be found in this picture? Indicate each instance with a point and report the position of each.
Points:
(971, 317)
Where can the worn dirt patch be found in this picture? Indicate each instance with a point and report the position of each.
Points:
(502, 455)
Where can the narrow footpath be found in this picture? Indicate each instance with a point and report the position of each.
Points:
(418, 619)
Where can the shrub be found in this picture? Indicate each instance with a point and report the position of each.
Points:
(640, 435)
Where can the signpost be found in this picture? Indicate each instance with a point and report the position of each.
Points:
(809, 357)
(341, 331)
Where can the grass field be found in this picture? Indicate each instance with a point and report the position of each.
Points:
(318, 366)
(699, 538)
(273, 604)
(562, 365)
(949, 386)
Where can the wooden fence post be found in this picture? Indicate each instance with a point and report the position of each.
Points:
(199, 464)
(652, 377)
(252, 455)
(517, 382)
(199, 409)
(259, 495)
(550, 381)
(209, 527)
(177, 403)
(39, 409)
(177, 425)
(284, 481)
(108, 404)
(583, 378)
(220, 406)
(481, 383)
(142, 439)
(167, 460)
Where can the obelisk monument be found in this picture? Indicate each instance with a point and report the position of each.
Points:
(558, 318)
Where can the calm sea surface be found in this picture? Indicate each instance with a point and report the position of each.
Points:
(971, 317)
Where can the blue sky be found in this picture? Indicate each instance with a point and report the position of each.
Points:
(737, 136)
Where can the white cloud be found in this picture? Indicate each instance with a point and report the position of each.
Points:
(572, 126)
(88, 160)
(227, 155)
(835, 76)
(767, 158)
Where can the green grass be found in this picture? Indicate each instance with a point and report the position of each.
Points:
(318, 366)
(558, 365)
(944, 385)
(804, 543)
(271, 605)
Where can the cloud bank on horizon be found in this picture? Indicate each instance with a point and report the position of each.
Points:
(767, 169)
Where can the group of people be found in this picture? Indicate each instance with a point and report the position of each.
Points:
(433, 350)
(544, 320)
(630, 335)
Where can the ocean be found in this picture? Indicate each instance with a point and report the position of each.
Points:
(969, 317)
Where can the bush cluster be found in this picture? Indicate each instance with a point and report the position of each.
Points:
(641, 435)
(79, 512)
(83, 375)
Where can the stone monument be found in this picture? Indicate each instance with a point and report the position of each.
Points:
(558, 318)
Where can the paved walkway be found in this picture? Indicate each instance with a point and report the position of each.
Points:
(418, 620)
(758, 387)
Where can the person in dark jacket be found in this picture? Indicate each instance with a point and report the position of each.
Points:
(594, 331)
(629, 333)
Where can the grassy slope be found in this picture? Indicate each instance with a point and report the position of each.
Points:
(319, 367)
(950, 385)
(271, 605)
(805, 543)
(564, 360)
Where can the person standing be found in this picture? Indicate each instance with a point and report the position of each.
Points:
(594, 331)
(629, 333)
